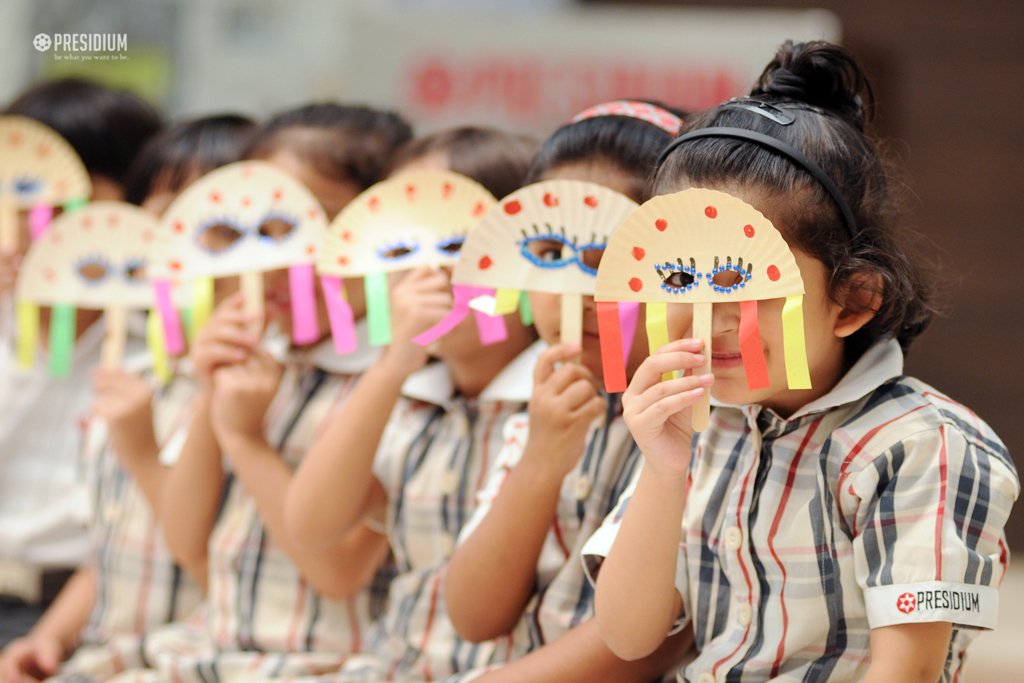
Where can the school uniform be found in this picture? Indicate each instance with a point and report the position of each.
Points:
(881, 503)
(261, 620)
(563, 597)
(434, 456)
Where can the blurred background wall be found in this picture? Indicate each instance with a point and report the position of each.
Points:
(948, 82)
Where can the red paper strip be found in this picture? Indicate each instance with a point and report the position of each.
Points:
(612, 360)
(751, 348)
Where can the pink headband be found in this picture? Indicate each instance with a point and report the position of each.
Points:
(653, 114)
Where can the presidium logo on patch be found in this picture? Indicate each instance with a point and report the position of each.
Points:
(961, 601)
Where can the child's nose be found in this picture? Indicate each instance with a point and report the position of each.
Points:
(725, 318)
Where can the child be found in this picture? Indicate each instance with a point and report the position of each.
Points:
(129, 584)
(564, 464)
(410, 450)
(40, 416)
(272, 609)
(828, 534)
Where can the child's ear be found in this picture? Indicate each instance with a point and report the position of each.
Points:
(861, 298)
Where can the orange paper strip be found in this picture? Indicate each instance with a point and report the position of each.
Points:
(613, 364)
(751, 348)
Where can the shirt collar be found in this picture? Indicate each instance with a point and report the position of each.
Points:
(433, 383)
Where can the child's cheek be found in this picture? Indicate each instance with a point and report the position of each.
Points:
(679, 320)
(547, 311)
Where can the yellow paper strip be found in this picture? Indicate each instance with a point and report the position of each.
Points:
(8, 221)
(657, 329)
(506, 301)
(28, 333)
(112, 350)
(202, 305)
(701, 411)
(252, 295)
(572, 319)
(157, 350)
(797, 374)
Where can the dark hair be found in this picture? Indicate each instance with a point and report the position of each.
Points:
(342, 142)
(184, 149)
(106, 127)
(629, 144)
(822, 88)
(495, 159)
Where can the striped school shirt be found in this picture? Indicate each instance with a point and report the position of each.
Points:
(434, 456)
(563, 598)
(881, 503)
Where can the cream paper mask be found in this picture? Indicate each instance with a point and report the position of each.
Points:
(38, 171)
(545, 237)
(414, 219)
(701, 247)
(94, 258)
(242, 219)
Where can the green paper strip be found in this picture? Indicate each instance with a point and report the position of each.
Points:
(525, 310)
(794, 344)
(75, 203)
(28, 333)
(62, 339)
(378, 308)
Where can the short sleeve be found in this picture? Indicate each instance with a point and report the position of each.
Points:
(928, 532)
(597, 547)
(515, 432)
(399, 431)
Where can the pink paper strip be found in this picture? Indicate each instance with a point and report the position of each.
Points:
(629, 314)
(39, 217)
(491, 329)
(339, 312)
(174, 340)
(305, 327)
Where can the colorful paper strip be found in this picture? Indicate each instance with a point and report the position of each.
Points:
(378, 308)
(613, 365)
(339, 313)
(305, 325)
(28, 333)
(157, 350)
(525, 309)
(39, 217)
(174, 342)
(629, 315)
(62, 339)
(797, 374)
(751, 347)
(506, 301)
(75, 203)
(202, 305)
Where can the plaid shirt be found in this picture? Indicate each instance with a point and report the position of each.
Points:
(563, 597)
(881, 503)
(434, 456)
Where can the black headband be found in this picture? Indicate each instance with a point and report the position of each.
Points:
(786, 150)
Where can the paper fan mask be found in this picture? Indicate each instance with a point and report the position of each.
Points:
(94, 258)
(701, 247)
(545, 237)
(415, 219)
(243, 219)
(38, 171)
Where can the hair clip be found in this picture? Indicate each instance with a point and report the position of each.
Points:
(769, 111)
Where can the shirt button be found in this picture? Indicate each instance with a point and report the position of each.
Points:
(449, 482)
(706, 678)
(744, 614)
(581, 487)
(733, 538)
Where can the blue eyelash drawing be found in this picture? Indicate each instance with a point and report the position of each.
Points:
(26, 186)
(570, 253)
(219, 235)
(276, 227)
(679, 277)
(450, 246)
(134, 271)
(397, 251)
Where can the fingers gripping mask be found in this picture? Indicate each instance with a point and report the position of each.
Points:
(95, 258)
(545, 237)
(413, 220)
(38, 171)
(242, 219)
(701, 247)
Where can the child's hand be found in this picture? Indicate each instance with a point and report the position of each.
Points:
(227, 339)
(658, 413)
(564, 403)
(125, 402)
(419, 301)
(10, 263)
(241, 395)
(30, 658)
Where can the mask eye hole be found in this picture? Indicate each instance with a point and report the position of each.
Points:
(729, 276)
(26, 186)
(218, 237)
(135, 271)
(276, 228)
(397, 251)
(589, 257)
(93, 270)
(451, 245)
(547, 251)
(681, 276)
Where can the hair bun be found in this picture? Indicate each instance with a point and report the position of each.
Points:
(820, 74)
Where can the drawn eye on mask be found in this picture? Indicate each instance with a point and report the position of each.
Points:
(93, 270)
(701, 247)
